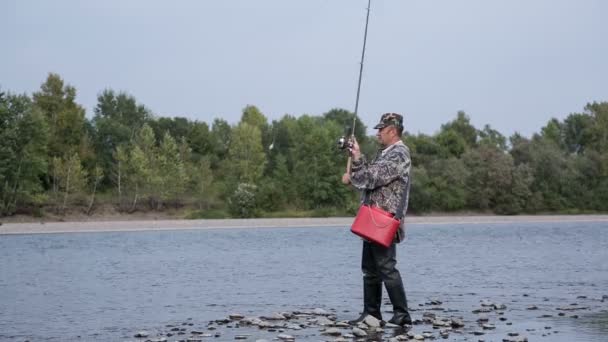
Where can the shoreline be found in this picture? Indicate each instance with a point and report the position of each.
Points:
(94, 226)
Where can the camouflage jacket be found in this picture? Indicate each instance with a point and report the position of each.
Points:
(384, 179)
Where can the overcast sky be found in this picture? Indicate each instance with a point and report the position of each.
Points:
(511, 64)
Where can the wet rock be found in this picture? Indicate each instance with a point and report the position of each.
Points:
(486, 302)
(141, 334)
(371, 321)
(323, 321)
(196, 332)
(286, 337)
(241, 337)
(320, 312)
(428, 335)
(483, 319)
(532, 307)
(194, 339)
(478, 333)
(457, 323)
(572, 307)
(488, 326)
(275, 317)
(419, 337)
(341, 324)
(500, 307)
(332, 332)
(435, 302)
(503, 318)
(513, 334)
(236, 316)
(359, 332)
(484, 309)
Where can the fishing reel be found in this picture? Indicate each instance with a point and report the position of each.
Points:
(344, 143)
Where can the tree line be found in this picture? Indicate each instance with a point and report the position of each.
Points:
(55, 160)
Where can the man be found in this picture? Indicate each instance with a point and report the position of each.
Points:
(384, 180)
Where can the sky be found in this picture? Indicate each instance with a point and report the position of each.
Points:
(511, 64)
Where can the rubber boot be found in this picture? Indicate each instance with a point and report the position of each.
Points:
(372, 299)
(396, 293)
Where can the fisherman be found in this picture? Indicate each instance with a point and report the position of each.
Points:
(383, 179)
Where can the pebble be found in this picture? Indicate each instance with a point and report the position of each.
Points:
(142, 334)
(332, 332)
(359, 332)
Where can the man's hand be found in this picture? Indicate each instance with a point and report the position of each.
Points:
(355, 151)
(346, 178)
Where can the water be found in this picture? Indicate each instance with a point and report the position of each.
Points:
(106, 286)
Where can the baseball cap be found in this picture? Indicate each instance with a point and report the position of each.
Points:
(389, 119)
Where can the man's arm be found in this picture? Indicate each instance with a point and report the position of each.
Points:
(381, 172)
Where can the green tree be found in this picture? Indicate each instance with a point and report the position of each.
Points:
(463, 128)
(70, 179)
(246, 157)
(24, 136)
(171, 171)
(66, 119)
(117, 119)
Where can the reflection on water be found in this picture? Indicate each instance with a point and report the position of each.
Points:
(105, 286)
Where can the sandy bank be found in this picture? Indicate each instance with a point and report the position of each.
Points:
(145, 225)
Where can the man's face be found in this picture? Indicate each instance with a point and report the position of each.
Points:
(384, 135)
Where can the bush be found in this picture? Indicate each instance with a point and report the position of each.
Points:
(242, 203)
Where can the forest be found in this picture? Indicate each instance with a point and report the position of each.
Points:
(56, 161)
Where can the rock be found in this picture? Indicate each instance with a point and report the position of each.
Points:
(428, 335)
(286, 337)
(488, 326)
(572, 307)
(332, 332)
(293, 327)
(194, 339)
(320, 312)
(275, 317)
(359, 332)
(323, 321)
(503, 318)
(500, 307)
(141, 334)
(435, 302)
(478, 332)
(484, 309)
(371, 321)
(483, 319)
(196, 332)
(418, 337)
(457, 323)
(236, 316)
(240, 337)
(513, 334)
(532, 307)
(487, 303)
(341, 324)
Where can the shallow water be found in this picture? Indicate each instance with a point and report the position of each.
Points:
(106, 286)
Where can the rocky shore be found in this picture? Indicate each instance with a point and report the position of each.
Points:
(100, 225)
(517, 321)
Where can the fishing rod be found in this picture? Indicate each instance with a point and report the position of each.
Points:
(343, 142)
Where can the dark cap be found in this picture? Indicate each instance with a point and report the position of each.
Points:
(389, 119)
